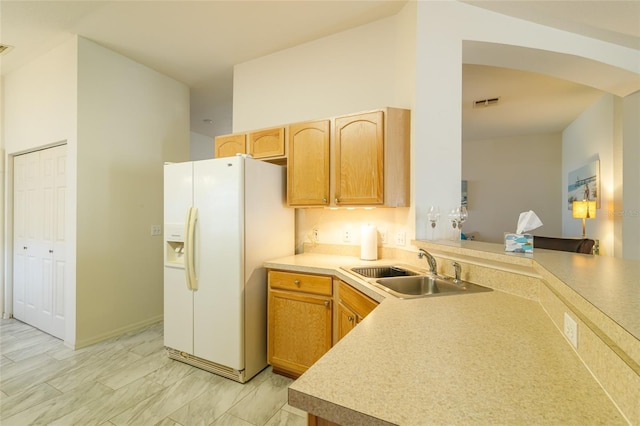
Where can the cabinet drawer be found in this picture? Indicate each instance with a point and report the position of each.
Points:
(315, 284)
(361, 304)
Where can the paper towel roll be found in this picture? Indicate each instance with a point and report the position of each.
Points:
(368, 242)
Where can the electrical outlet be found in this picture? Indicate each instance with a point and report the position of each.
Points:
(315, 234)
(383, 236)
(401, 238)
(571, 330)
(156, 230)
(346, 235)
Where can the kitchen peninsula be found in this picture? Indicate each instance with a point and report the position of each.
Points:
(495, 357)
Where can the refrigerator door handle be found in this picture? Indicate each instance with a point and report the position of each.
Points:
(189, 250)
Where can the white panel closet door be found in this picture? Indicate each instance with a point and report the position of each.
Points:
(39, 236)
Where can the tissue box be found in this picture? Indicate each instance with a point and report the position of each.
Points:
(518, 243)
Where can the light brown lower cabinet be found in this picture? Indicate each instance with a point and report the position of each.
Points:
(301, 320)
(353, 306)
(300, 310)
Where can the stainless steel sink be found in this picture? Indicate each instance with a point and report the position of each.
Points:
(416, 286)
(381, 271)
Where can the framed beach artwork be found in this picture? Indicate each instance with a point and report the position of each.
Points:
(584, 184)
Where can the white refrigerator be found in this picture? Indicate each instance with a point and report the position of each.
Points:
(222, 219)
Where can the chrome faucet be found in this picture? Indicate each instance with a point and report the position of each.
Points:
(457, 269)
(433, 266)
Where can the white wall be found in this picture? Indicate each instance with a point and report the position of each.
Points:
(365, 68)
(587, 139)
(200, 146)
(608, 132)
(120, 122)
(443, 29)
(508, 176)
(631, 177)
(343, 73)
(40, 104)
(3, 179)
(131, 119)
(331, 76)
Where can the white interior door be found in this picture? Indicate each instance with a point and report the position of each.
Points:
(39, 239)
(22, 224)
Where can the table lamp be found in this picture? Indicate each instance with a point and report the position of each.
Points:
(584, 210)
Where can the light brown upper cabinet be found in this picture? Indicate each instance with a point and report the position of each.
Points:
(266, 143)
(368, 161)
(359, 159)
(371, 158)
(308, 170)
(230, 145)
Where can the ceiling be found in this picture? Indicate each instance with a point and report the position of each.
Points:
(198, 42)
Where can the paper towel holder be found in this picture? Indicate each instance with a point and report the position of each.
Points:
(368, 242)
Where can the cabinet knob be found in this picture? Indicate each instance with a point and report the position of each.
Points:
(297, 282)
(24, 247)
(337, 201)
(350, 318)
(326, 303)
(50, 251)
(324, 200)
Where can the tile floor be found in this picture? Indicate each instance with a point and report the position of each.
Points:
(127, 380)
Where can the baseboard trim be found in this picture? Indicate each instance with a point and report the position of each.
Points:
(79, 344)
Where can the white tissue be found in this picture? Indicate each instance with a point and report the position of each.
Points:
(528, 221)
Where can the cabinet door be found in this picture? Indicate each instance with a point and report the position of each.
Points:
(267, 143)
(360, 303)
(308, 169)
(359, 159)
(346, 320)
(353, 307)
(299, 330)
(229, 145)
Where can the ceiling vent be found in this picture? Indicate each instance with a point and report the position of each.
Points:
(4, 48)
(485, 103)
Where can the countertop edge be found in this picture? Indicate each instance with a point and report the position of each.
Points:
(311, 263)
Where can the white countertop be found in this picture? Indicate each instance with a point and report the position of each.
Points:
(483, 358)
(610, 284)
(474, 358)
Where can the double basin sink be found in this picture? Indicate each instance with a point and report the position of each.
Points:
(405, 283)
